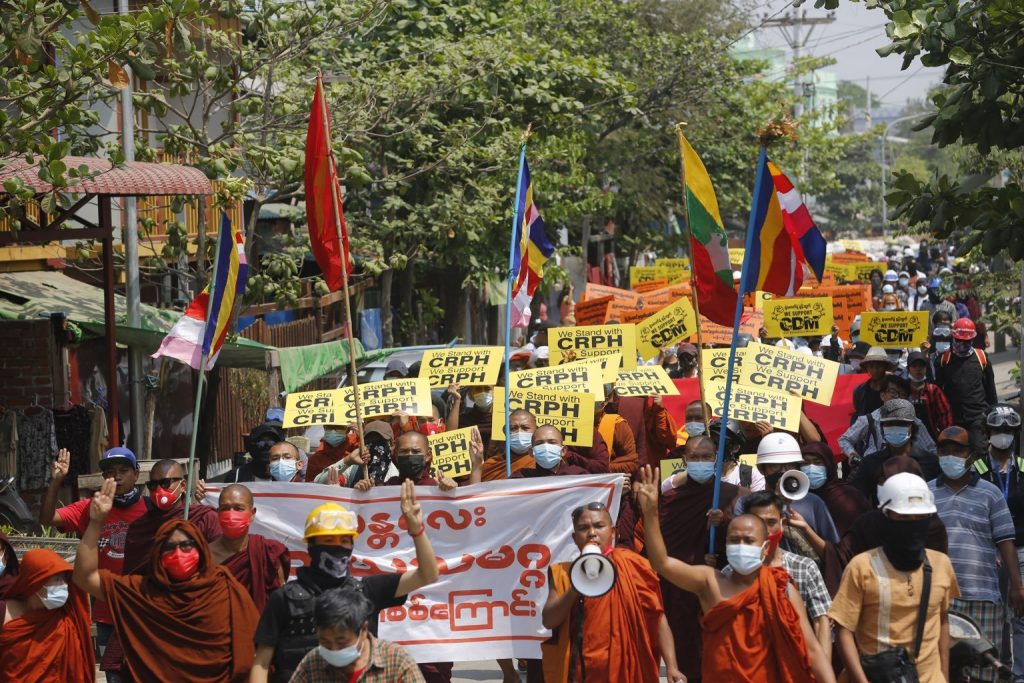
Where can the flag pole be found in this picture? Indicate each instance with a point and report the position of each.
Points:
(204, 357)
(723, 435)
(517, 222)
(695, 288)
(344, 270)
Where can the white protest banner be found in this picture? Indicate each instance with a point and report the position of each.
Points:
(493, 543)
(773, 367)
(465, 365)
(646, 380)
(752, 404)
(572, 414)
(595, 341)
(584, 376)
(450, 452)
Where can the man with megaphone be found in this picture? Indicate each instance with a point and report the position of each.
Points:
(605, 611)
(755, 623)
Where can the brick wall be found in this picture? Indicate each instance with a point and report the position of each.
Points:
(29, 363)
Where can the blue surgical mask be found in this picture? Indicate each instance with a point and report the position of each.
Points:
(283, 469)
(952, 466)
(3, 565)
(694, 428)
(55, 596)
(904, 282)
(333, 438)
(896, 436)
(745, 559)
(521, 442)
(340, 658)
(547, 455)
(700, 472)
(816, 475)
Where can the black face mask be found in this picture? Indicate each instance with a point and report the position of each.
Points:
(260, 451)
(771, 481)
(410, 466)
(903, 541)
(125, 500)
(329, 562)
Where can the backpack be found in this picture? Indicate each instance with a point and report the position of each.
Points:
(982, 358)
(746, 475)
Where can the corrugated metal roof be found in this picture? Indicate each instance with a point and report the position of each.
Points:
(133, 178)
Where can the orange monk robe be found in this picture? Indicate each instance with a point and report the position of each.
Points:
(755, 636)
(259, 567)
(654, 430)
(47, 645)
(494, 466)
(620, 628)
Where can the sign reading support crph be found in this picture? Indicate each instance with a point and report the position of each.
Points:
(894, 329)
(472, 366)
(450, 454)
(714, 364)
(596, 341)
(772, 367)
(493, 547)
(647, 380)
(572, 414)
(798, 317)
(584, 376)
(377, 399)
(752, 404)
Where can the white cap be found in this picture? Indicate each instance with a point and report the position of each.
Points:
(909, 251)
(906, 494)
(778, 448)
(887, 289)
(891, 276)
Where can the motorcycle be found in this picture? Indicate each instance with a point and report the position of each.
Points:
(13, 511)
(969, 647)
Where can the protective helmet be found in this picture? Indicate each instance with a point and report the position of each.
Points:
(778, 448)
(935, 283)
(891, 276)
(906, 494)
(887, 289)
(736, 435)
(331, 519)
(963, 329)
(1002, 414)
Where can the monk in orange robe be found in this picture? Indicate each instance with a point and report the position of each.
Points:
(521, 426)
(44, 625)
(260, 564)
(617, 637)
(755, 625)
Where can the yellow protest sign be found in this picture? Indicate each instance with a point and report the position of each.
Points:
(638, 274)
(760, 298)
(469, 366)
(852, 245)
(646, 380)
(585, 376)
(675, 270)
(715, 362)
(313, 408)
(752, 404)
(670, 466)
(779, 369)
(572, 414)
(736, 255)
(568, 344)
(894, 329)
(861, 272)
(450, 452)
(798, 317)
(670, 325)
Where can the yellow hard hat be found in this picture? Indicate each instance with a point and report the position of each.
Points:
(331, 519)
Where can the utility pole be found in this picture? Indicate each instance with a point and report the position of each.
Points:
(130, 239)
(791, 26)
(867, 104)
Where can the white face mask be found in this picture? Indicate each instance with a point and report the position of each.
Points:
(55, 596)
(1001, 441)
(745, 559)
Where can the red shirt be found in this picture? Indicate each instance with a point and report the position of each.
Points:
(75, 517)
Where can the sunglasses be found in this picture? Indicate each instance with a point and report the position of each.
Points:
(593, 507)
(163, 483)
(171, 546)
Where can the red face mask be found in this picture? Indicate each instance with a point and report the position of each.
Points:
(163, 498)
(428, 428)
(180, 564)
(234, 523)
(774, 540)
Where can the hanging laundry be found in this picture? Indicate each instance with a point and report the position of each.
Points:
(37, 448)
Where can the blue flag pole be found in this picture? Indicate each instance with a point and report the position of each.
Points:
(762, 168)
(517, 224)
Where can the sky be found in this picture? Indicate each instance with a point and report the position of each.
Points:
(852, 39)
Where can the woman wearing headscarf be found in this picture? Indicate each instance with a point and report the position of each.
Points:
(866, 531)
(8, 567)
(186, 618)
(845, 503)
(45, 636)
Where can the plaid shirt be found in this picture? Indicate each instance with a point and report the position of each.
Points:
(808, 582)
(389, 663)
(940, 415)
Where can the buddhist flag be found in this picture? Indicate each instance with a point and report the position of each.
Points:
(204, 327)
(530, 250)
(775, 255)
(709, 246)
(323, 196)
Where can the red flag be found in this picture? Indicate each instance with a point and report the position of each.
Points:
(320, 202)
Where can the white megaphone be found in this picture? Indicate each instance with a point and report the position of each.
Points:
(794, 485)
(592, 574)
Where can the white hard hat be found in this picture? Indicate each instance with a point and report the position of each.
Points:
(887, 289)
(906, 494)
(778, 448)
(909, 251)
(891, 276)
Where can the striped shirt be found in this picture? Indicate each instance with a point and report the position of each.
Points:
(976, 519)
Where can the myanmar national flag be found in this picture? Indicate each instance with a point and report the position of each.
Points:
(709, 246)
